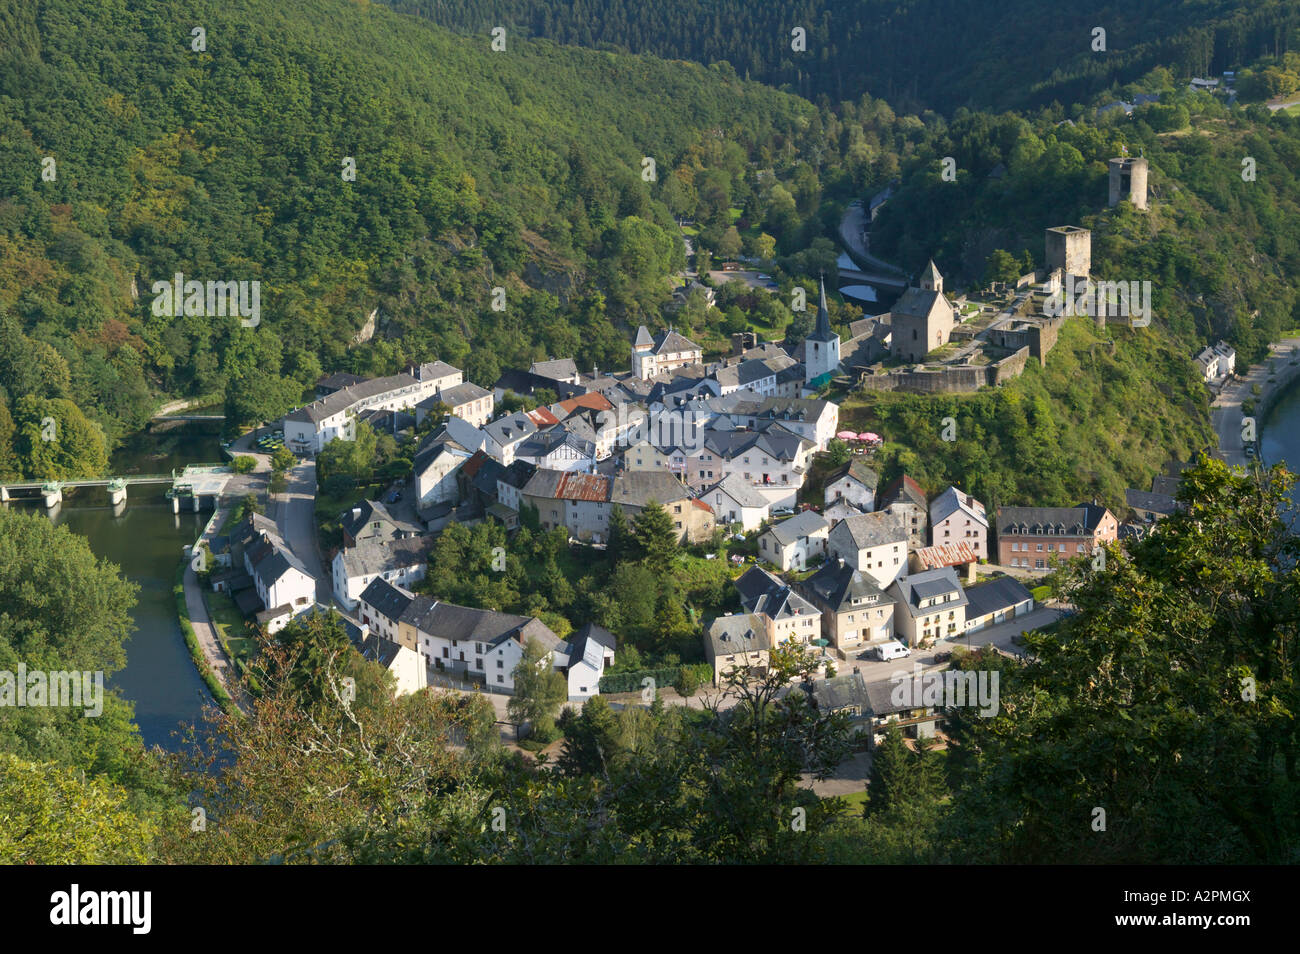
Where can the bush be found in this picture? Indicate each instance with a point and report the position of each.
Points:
(689, 680)
(666, 676)
(244, 464)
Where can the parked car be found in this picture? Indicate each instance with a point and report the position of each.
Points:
(783, 512)
(892, 650)
(942, 657)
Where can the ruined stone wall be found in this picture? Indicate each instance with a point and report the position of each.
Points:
(1009, 367)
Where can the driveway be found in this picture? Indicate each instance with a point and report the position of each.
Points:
(296, 517)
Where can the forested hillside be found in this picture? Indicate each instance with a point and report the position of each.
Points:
(130, 155)
(918, 54)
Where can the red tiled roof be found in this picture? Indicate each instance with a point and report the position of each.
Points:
(542, 418)
(595, 401)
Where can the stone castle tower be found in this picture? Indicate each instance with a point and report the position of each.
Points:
(1128, 180)
(821, 349)
(1069, 248)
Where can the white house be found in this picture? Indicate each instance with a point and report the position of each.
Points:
(278, 576)
(399, 562)
(591, 652)
(736, 500)
(794, 543)
(435, 468)
(875, 543)
(308, 429)
(854, 483)
(1217, 362)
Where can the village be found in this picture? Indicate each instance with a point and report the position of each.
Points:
(864, 574)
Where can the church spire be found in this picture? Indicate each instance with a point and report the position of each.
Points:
(822, 330)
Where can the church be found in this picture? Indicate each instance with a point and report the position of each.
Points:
(821, 350)
(922, 319)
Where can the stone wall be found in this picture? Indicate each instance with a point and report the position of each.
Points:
(1009, 367)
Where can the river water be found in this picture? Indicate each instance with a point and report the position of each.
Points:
(1280, 436)
(146, 540)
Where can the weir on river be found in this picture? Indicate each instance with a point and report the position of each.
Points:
(198, 483)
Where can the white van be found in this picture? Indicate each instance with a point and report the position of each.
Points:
(892, 650)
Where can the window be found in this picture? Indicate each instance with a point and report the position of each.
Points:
(500, 664)
(501, 678)
(1040, 548)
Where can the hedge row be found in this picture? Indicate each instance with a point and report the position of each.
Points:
(664, 677)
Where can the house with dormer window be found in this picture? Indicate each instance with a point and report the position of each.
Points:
(1033, 538)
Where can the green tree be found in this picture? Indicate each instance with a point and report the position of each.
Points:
(55, 816)
(656, 538)
(53, 439)
(540, 690)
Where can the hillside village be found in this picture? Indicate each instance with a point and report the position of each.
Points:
(729, 450)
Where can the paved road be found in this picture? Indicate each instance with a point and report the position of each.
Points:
(295, 516)
(1225, 411)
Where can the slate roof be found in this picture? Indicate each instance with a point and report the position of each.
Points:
(911, 590)
(343, 399)
(738, 489)
(743, 374)
(858, 470)
(449, 621)
(589, 644)
(636, 488)
(510, 428)
(379, 650)
(873, 529)
(1157, 503)
(368, 558)
(880, 697)
(525, 383)
(822, 328)
(737, 633)
(842, 692)
(801, 525)
(388, 601)
(338, 380)
(1081, 520)
(669, 341)
(998, 594)
(371, 510)
(952, 500)
(457, 395)
(558, 369)
(920, 303)
(434, 370)
(762, 593)
(837, 585)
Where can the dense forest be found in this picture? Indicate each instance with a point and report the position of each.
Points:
(471, 174)
(917, 54)
(135, 149)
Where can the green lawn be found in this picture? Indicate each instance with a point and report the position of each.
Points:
(230, 627)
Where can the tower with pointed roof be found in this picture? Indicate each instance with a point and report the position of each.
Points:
(931, 280)
(821, 349)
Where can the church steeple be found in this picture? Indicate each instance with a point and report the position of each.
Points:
(822, 330)
(931, 280)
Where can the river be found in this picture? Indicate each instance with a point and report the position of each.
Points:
(146, 541)
(1280, 435)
